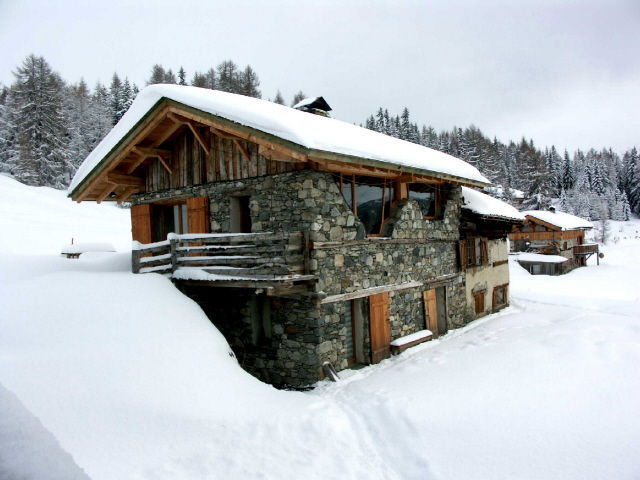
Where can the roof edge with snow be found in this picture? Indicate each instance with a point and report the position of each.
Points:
(349, 143)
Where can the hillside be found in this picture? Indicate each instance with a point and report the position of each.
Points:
(131, 379)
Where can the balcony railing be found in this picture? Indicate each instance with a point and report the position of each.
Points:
(235, 260)
(585, 249)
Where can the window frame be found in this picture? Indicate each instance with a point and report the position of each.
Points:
(437, 199)
(474, 252)
(505, 296)
(387, 201)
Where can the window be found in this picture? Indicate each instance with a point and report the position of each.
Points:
(473, 251)
(240, 214)
(478, 298)
(427, 196)
(500, 296)
(370, 198)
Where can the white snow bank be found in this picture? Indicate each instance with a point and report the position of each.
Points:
(560, 219)
(38, 220)
(307, 130)
(27, 450)
(483, 204)
(84, 247)
(540, 258)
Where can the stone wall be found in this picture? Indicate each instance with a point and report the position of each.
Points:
(304, 334)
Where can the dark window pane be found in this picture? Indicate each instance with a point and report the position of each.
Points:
(425, 195)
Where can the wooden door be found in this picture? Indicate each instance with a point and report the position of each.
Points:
(431, 311)
(379, 326)
(198, 214)
(141, 223)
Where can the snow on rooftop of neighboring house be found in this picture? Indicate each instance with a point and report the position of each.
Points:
(485, 205)
(560, 219)
(540, 258)
(311, 131)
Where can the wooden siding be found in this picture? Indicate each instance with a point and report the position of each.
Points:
(191, 165)
(141, 223)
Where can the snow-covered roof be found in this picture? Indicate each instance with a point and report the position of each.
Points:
(313, 102)
(540, 258)
(485, 205)
(562, 220)
(315, 133)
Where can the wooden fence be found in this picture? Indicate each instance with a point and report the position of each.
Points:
(237, 255)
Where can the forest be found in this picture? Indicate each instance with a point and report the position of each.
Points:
(48, 126)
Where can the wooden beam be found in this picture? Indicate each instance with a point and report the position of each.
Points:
(125, 180)
(127, 192)
(164, 164)
(137, 163)
(199, 138)
(142, 133)
(243, 151)
(222, 134)
(365, 292)
(104, 193)
(152, 152)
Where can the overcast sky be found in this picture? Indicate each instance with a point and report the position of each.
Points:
(560, 72)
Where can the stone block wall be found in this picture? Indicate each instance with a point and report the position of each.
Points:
(305, 334)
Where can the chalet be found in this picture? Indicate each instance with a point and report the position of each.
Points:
(559, 235)
(305, 239)
(484, 251)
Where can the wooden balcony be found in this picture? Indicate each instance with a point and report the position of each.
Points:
(586, 249)
(275, 262)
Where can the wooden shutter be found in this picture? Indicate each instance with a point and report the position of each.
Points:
(462, 250)
(141, 223)
(484, 251)
(431, 310)
(198, 214)
(379, 326)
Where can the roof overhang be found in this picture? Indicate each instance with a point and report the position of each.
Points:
(322, 159)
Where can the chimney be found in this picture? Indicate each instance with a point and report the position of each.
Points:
(315, 105)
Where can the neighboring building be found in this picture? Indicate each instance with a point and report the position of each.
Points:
(552, 233)
(305, 239)
(484, 250)
(541, 264)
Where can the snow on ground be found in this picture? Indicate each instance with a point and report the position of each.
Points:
(133, 381)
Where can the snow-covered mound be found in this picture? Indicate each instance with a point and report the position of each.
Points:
(37, 220)
(134, 382)
(27, 450)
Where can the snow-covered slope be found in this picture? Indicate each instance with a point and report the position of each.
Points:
(134, 382)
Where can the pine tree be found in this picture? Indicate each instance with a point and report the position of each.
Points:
(182, 76)
(298, 97)
(199, 80)
(170, 77)
(279, 99)
(39, 152)
(158, 75)
(249, 83)
(228, 77)
(116, 99)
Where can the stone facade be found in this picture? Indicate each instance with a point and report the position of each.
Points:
(285, 341)
(487, 277)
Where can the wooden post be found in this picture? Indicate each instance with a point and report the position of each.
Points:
(305, 252)
(135, 261)
(173, 244)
